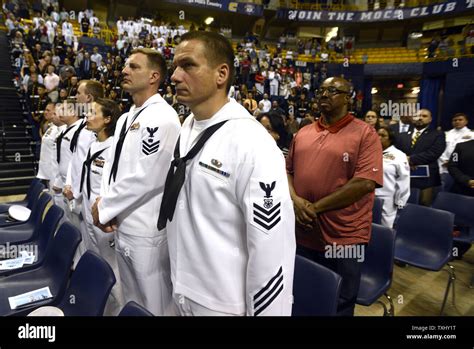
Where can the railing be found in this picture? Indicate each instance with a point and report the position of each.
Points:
(4, 142)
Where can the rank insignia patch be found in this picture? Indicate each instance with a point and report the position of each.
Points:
(268, 214)
(149, 145)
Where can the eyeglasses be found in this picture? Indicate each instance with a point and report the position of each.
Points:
(331, 90)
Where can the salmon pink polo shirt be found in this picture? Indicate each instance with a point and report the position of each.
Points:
(324, 158)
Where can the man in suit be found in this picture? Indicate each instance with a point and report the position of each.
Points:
(85, 66)
(461, 167)
(402, 126)
(423, 146)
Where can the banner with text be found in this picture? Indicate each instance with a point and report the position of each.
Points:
(224, 5)
(452, 7)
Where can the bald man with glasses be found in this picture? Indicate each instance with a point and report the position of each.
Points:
(333, 168)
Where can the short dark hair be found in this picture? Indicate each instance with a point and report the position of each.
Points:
(278, 126)
(155, 61)
(391, 135)
(218, 50)
(460, 114)
(111, 109)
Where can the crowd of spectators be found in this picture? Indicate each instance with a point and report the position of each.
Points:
(50, 62)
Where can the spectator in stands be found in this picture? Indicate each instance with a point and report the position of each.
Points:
(332, 184)
(51, 81)
(396, 177)
(292, 124)
(84, 26)
(266, 103)
(85, 66)
(259, 110)
(276, 108)
(461, 167)
(432, 47)
(169, 97)
(275, 125)
(423, 147)
(94, 73)
(372, 119)
(302, 106)
(63, 95)
(96, 56)
(72, 91)
(66, 70)
(251, 102)
(404, 125)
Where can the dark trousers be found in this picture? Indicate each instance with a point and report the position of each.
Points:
(348, 268)
(426, 196)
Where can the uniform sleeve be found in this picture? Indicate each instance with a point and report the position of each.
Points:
(86, 138)
(148, 178)
(402, 190)
(69, 174)
(58, 181)
(270, 225)
(369, 162)
(447, 151)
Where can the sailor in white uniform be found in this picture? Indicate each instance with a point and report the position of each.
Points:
(396, 178)
(101, 120)
(460, 133)
(82, 138)
(133, 182)
(48, 166)
(72, 122)
(226, 206)
(67, 32)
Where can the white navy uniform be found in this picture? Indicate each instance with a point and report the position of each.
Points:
(48, 165)
(73, 210)
(396, 184)
(73, 178)
(134, 199)
(453, 137)
(232, 238)
(67, 32)
(63, 164)
(93, 238)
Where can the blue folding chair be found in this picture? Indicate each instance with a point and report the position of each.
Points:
(463, 208)
(377, 269)
(43, 237)
(315, 289)
(53, 273)
(36, 187)
(425, 240)
(377, 211)
(23, 231)
(89, 288)
(134, 309)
